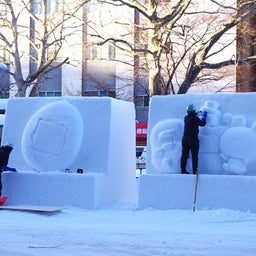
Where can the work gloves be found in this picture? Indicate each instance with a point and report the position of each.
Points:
(204, 115)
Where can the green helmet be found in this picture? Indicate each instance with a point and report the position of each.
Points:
(191, 108)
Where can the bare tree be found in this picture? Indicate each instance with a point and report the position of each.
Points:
(33, 33)
(182, 38)
(207, 46)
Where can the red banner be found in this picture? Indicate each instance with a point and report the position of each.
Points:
(141, 130)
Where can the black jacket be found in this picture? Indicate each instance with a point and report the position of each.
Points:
(4, 155)
(191, 124)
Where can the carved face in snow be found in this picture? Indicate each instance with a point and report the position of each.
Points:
(237, 146)
(165, 142)
(237, 142)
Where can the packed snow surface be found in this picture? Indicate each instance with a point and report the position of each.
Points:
(116, 232)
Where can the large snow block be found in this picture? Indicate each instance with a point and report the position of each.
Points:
(176, 191)
(91, 133)
(52, 188)
(227, 142)
(227, 156)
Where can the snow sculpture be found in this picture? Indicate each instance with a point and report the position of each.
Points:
(227, 147)
(53, 132)
(236, 145)
(213, 113)
(165, 140)
(210, 160)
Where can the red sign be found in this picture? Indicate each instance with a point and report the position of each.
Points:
(141, 130)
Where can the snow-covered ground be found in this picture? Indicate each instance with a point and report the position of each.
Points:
(116, 232)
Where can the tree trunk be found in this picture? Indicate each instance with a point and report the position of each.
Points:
(154, 50)
(154, 78)
(36, 88)
(189, 79)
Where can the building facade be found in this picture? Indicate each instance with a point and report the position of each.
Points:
(92, 70)
(246, 49)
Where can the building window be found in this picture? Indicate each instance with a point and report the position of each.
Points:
(103, 93)
(141, 101)
(34, 52)
(3, 9)
(111, 94)
(4, 54)
(56, 5)
(4, 94)
(49, 94)
(51, 5)
(36, 6)
(90, 93)
(51, 52)
(94, 52)
(91, 52)
(111, 52)
(92, 6)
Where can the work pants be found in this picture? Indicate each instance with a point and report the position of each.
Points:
(189, 144)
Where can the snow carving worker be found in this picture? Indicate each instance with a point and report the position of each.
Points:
(190, 141)
(4, 158)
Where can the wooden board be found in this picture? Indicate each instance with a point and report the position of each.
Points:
(32, 208)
